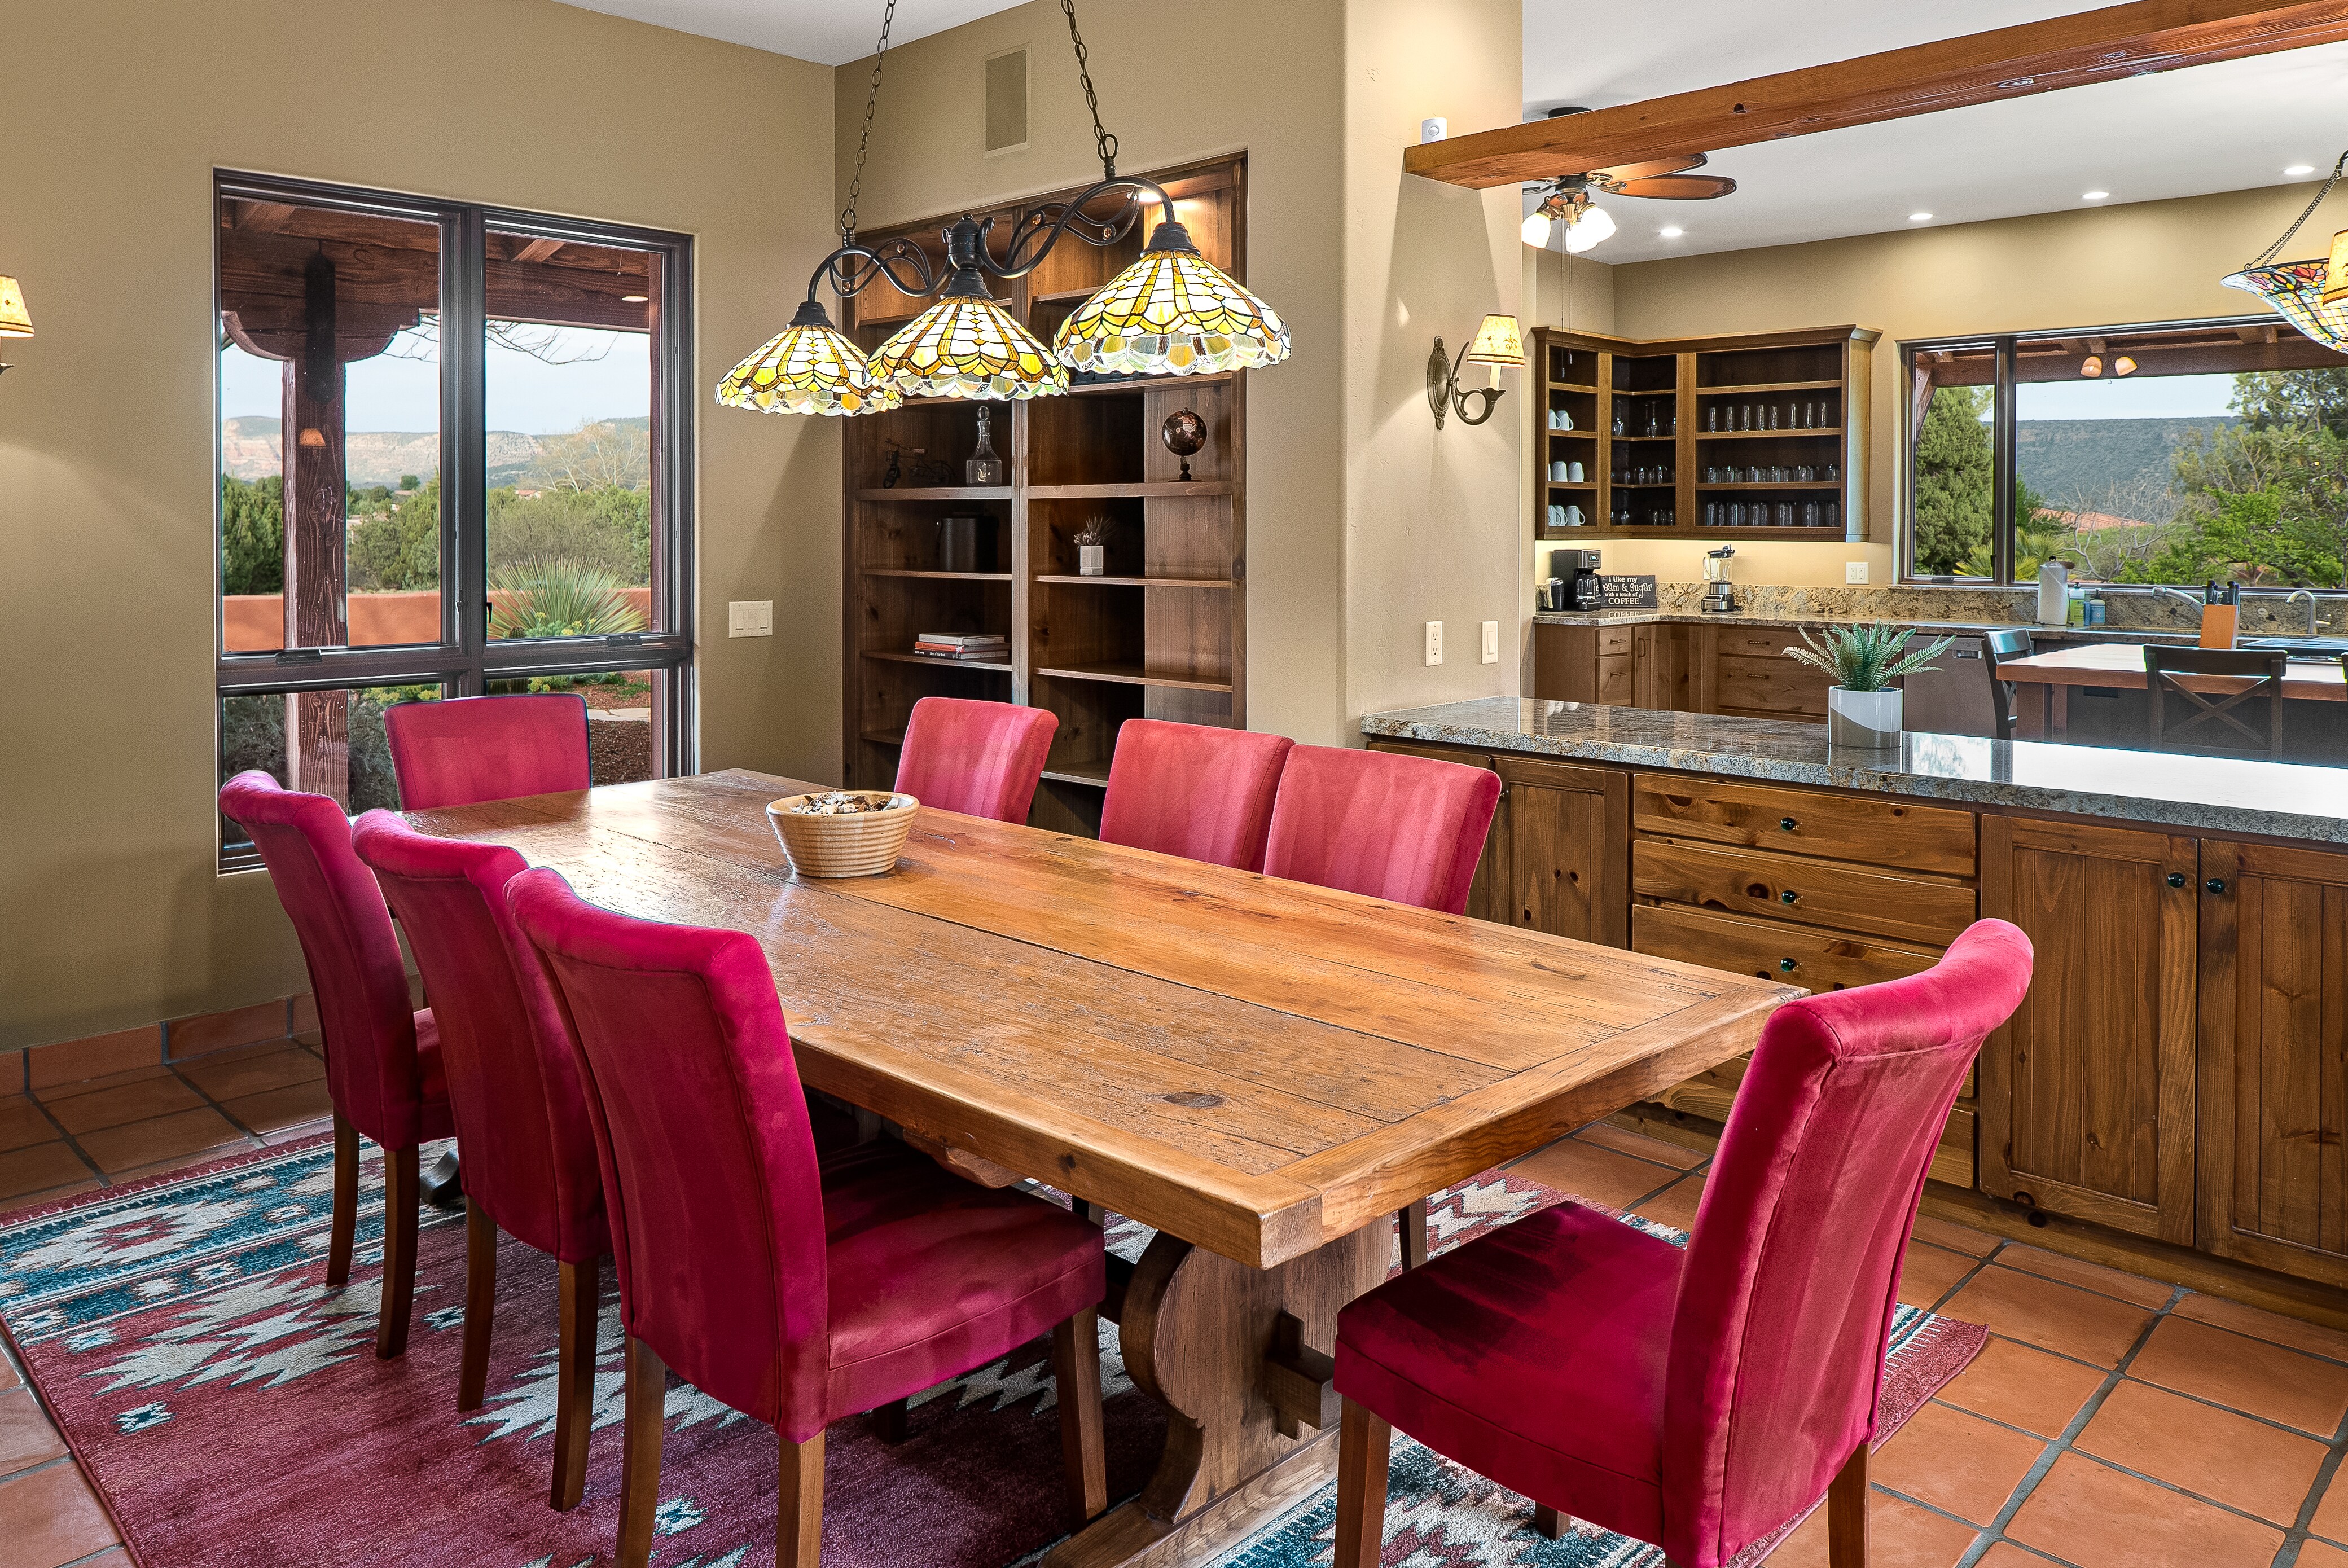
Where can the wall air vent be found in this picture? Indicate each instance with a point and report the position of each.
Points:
(1006, 101)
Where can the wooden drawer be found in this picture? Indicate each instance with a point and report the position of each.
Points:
(1618, 680)
(1774, 950)
(1874, 829)
(1757, 642)
(1768, 685)
(1813, 893)
(1614, 639)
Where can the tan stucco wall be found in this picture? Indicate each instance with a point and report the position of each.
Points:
(2102, 267)
(115, 114)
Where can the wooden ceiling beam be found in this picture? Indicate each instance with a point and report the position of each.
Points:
(2087, 47)
(538, 250)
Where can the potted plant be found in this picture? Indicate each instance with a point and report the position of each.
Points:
(1092, 547)
(1863, 707)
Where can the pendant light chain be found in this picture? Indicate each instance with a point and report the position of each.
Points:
(871, 102)
(2271, 252)
(1102, 139)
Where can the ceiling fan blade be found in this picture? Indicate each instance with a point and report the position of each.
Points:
(1676, 187)
(1628, 171)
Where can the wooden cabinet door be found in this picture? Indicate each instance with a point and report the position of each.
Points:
(1486, 896)
(2087, 1096)
(1563, 835)
(2274, 1058)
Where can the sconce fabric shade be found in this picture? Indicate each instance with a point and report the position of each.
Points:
(2335, 281)
(1499, 341)
(809, 368)
(15, 321)
(1171, 312)
(968, 346)
(2296, 290)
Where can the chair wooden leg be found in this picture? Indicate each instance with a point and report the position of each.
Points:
(640, 1463)
(578, 1295)
(1547, 1522)
(345, 1222)
(481, 1304)
(798, 1505)
(1363, 1441)
(889, 1421)
(1846, 1514)
(1413, 1221)
(400, 1199)
(1083, 1453)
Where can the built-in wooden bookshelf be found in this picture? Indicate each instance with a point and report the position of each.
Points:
(1755, 436)
(1162, 634)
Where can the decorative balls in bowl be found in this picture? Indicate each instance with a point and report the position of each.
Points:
(842, 833)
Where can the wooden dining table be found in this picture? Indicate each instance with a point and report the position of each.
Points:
(2121, 664)
(1262, 1071)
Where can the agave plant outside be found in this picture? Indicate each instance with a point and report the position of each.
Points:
(556, 597)
(1868, 656)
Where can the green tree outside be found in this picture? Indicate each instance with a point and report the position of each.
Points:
(252, 535)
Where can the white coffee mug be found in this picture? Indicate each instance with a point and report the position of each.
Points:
(1573, 472)
(1557, 517)
(1564, 419)
(1558, 470)
(1573, 517)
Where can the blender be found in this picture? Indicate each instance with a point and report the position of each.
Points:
(1719, 593)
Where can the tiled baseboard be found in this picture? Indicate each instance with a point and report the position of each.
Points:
(150, 1045)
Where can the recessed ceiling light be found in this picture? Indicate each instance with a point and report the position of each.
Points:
(634, 299)
(1920, 217)
(1673, 232)
(2299, 169)
(2092, 195)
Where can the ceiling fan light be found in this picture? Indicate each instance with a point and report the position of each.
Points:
(1535, 232)
(809, 368)
(967, 345)
(1588, 228)
(1171, 312)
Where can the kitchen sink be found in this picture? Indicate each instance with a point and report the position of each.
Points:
(2299, 647)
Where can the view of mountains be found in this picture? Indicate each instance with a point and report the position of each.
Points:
(251, 449)
(2119, 468)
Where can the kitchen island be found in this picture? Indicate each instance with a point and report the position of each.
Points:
(2172, 1074)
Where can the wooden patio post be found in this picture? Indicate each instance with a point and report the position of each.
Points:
(317, 724)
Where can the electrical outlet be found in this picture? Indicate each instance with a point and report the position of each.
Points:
(1434, 641)
(750, 618)
(1491, 641)
(1854, 572)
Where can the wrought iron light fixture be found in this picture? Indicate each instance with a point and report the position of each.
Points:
(15, 321)
(1170, 313)
(2311, 294)
(1498, 341)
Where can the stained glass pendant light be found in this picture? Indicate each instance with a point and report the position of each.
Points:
(809, 368)
(967, 345)
(1171, 312)
(2297, 289)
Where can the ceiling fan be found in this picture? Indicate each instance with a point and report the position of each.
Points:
(1568, 201)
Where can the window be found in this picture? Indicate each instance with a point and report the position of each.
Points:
(446, 470)
(2179, 454)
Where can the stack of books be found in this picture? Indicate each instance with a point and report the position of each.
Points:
(992, 646)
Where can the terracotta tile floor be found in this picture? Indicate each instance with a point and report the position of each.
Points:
(2111, 1422)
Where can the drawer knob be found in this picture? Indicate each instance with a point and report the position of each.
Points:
(1786, 965)
(2176, 879)
(1789, 896)
(1787, 824)
(2216, 884)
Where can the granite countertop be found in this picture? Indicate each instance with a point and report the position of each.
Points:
(2276, 799)
(1926, 625)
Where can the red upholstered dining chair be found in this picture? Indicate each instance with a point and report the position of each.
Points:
(1408, 828)
(383, 1057)
(794, 1292)
(519, 1108)
(460, 751)
(1194, 790)
(981, 759)
(1699, 1398)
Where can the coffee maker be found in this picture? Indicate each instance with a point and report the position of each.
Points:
(1578, 569)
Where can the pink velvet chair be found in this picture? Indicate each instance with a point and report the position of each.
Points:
(1409, 829)
(520, 1110)
(383, 1057)
(1694, 1399)
(463, 750)
(795, 1292)
(981, 759)
(1194, 790)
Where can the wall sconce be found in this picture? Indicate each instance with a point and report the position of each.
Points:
(1498, 341)
(2092, 366)
(15, 321)
(2123, 366)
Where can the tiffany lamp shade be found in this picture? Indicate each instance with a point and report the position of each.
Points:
(2296, 290)
(810, 368)
(1171, 312)
(968, 346)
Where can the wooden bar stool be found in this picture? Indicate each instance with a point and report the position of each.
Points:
(2212, 724)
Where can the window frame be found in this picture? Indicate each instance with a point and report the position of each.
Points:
(465, 659)
(2006, 349)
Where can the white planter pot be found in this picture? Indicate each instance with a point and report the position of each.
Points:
(1868, 719)
(1092, 559)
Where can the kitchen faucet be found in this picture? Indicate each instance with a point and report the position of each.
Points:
(2188, 599)
(2313, 624)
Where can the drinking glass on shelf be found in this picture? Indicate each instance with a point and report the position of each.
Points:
(1772, 417)
(1712, 416)
(1834, 515)
(1744, 416)
(1801, 416)
(1784, 514)
(1672, 425)
(1809, 515)
(1712, 514)
(1833, 471)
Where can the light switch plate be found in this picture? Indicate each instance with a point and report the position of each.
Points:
(1854, 572)
(1491, 641)
(1434, 641)
(750, 618)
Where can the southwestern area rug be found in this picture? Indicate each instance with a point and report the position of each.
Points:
(230, 1409)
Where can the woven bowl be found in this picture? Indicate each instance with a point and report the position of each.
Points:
(863, 845)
